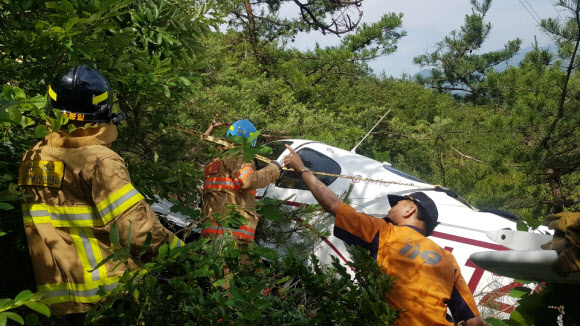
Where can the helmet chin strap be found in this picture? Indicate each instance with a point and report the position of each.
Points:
(117, 118)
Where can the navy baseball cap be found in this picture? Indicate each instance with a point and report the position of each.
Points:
(427, 209)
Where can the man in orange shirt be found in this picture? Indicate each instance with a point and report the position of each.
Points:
(428, 278)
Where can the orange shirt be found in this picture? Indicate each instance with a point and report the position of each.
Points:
(428, 277)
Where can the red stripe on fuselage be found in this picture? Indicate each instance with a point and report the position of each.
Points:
(468, 241)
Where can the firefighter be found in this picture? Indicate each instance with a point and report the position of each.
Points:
(230, 183)
(75, 190)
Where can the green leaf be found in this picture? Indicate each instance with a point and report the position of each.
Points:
(4, 115)
(6, 304)
(70, 23)
(155, 157)
(166, 91)
(58, 121)
(71, 128)
(7, 91)
(41, 131)
(253, 136)
(39, 101)
(6, 206)
(26, 121)
(104, 261)
(52, 5)
(519, 291)
(518, 318)
(283, 280)
(184, 81)
(271, 212)
(114, 235)
(267, 253)
(13, 115)
(19, 94)
(14, 316)
(191, 199)
(265, 150)
(523, 281)
(23, 296)
(163, 250)
(496, 322)
(521, 226)
(146, 244)
(39, 307)
(249, 154)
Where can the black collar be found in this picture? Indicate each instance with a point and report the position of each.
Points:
(416, 229)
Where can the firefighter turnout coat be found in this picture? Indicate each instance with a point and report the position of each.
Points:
(75, 189)
(232, 183)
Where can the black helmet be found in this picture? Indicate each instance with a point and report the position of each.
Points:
(83, 94)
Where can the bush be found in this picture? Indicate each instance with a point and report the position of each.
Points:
(204, 283)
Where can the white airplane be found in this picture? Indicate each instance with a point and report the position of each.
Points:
(464, 230)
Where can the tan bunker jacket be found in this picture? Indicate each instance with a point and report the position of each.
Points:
(231, 182)
(75, 189)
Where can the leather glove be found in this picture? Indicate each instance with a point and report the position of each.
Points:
(568, 261)
(560, 223)
(566, 242)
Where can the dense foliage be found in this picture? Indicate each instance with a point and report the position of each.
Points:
(204, 283)
(511, 143)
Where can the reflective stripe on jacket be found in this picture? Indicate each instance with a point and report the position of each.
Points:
(230, 181)
(243, 231)
(67, 221)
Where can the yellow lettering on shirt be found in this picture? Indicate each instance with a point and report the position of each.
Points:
(41, 173)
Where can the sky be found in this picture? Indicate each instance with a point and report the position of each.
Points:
(429, 21)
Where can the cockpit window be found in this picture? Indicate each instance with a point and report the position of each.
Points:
(402, 174)
(277, 148)
(315, 161)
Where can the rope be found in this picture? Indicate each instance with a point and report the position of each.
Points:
(353, 178)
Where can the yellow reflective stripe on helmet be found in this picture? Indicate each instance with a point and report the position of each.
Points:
(61, 216)
(120, 201)
(70, 292)
(100, 98)
(51, 93)
(176, 242)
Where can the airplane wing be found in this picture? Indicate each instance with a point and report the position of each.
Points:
(519, 240)
(532, 265)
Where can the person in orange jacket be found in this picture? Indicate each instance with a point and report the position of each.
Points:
(428, 278)
(75, 190)
(230, 184)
